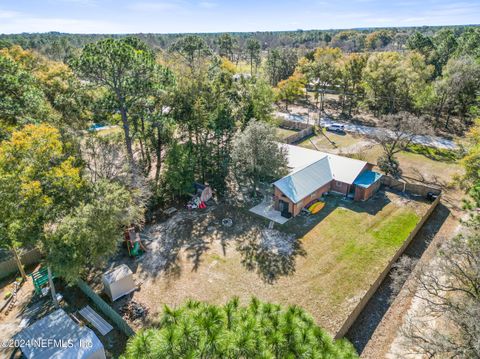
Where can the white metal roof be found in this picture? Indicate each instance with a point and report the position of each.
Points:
(299, 157)
(345, 169)
(62, 338)
(300, 184)
(310, 170)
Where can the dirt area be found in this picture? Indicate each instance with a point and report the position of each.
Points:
(323, 263)
(416, 168)
(386, 335)
(30, 307)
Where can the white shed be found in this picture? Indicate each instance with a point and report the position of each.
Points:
(58, 336)
(118, 282)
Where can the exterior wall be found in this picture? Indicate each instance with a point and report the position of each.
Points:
(339, 187)
(362, 194)
(315, 195)
(296, 208)
(278, 195)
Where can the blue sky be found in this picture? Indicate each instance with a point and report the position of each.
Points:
(171, 16)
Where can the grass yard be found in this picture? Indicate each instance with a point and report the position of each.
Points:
(324, 263)
(418, 164)
(283, 133)
(333, 142)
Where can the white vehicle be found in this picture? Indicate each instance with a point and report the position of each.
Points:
(335, 127)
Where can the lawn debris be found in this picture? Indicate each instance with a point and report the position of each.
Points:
(133, 310)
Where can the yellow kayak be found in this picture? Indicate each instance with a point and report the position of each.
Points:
(316, 207)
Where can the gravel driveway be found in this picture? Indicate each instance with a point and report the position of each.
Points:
(426, 140)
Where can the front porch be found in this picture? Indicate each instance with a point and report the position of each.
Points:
(266, 209)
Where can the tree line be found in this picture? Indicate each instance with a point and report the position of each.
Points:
(57, 45)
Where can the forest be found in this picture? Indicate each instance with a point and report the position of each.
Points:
(183, 108)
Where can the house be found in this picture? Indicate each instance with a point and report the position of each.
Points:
(58, 336)
(313, 173)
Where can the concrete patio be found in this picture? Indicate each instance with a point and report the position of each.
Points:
(266, 210)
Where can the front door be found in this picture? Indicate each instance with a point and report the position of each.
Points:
(283, 207)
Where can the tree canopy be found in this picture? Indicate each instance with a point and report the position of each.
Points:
(259, 330)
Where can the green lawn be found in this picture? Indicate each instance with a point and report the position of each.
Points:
(349, 247)
(330, 141)
(283, 133)
(341, 251)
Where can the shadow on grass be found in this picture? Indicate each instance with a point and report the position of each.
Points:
(272, 254)
(367, 322)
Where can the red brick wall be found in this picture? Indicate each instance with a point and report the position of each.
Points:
(296, 208)
(340, 187)
(362, 194)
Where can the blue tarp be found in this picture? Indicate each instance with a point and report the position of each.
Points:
(367, 178)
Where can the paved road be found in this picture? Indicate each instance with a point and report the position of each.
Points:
(426, 140)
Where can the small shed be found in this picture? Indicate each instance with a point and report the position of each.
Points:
(58, 336)
(118, 282)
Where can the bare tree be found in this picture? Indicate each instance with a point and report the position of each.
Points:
(400, 272)
(450, 291)
(396, 134)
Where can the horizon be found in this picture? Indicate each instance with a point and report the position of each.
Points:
(125, 17)
(239, 32)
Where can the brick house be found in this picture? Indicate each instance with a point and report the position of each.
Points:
(313, 173)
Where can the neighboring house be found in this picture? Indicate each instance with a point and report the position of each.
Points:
(312, 173)
(58, 336)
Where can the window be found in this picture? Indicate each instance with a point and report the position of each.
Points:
(338, 184)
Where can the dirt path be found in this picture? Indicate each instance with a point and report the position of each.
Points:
(426, 140)
(387, 331)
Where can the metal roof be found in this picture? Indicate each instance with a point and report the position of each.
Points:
(367, 178)
(310, 170)
(300, 184)
(58, 336)
(345, 169)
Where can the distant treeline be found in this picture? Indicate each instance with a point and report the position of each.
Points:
(58, 45)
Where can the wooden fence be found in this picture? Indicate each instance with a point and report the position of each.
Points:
(418, 189)
(304, 130)
(374, 286)
(9, 266)
(299, 136)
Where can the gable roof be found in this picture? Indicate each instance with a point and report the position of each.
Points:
(60, 327)
(312, 169)
(300, 184)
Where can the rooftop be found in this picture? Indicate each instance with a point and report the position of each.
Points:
(59, 327)
(310, 170)
(367, 178)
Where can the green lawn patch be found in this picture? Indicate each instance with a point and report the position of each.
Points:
(336, 256)
(436, 154)
(283, 133)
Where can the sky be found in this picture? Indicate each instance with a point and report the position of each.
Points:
(180, 16)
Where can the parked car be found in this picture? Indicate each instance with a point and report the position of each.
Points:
(335, 127)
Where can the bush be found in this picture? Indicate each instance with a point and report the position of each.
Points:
(259, 330)
(389, 165)
(436, 154)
